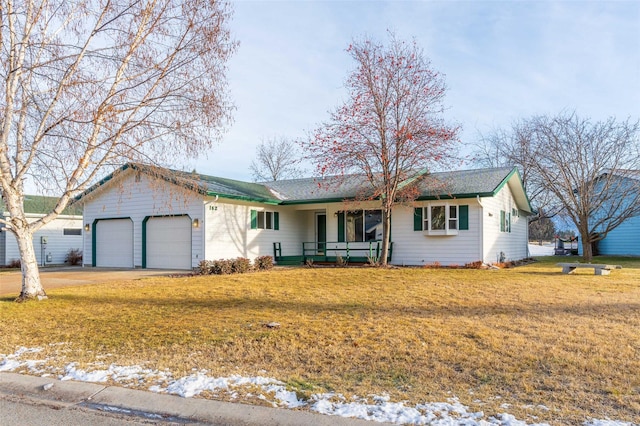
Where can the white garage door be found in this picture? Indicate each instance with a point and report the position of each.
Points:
(169, 242)
(114, 243)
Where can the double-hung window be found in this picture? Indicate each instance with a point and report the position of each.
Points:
(265, 220)
(505, 221)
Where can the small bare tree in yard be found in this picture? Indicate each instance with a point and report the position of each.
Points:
(276, 159)
(88, 84)
(592, 169)
(390, 127)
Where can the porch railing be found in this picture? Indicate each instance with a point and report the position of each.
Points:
(359, 252)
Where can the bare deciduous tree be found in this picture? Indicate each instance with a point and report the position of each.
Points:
(512, 147)
(91, 83)
(276, 159)
(590, 169)
(542, 230)
(391, 126)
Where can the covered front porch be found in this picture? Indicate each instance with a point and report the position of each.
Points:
(333, 233)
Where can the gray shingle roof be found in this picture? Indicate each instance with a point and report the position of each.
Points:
(318, 189)
(463, 183)
(442, 184)
(231, 188)
(454, 184)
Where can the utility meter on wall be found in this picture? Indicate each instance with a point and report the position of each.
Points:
(43, 240)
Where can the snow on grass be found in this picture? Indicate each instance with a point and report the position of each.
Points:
(12, 362)
(538, 250)
(380, 409)
(116, 373)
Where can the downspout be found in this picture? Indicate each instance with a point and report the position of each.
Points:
(84, 237)
(527, 234)
(481, 239)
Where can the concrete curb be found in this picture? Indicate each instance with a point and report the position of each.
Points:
(100, 397)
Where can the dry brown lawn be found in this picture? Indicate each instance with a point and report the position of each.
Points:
(526, 336)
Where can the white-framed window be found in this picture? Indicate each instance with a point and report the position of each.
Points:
(262, 219)
(505, 221)
(265, 220)
(441, 219)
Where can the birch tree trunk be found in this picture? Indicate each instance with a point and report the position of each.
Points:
(23, 231)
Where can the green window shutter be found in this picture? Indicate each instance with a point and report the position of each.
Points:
(417, 219)
(341, 227)
(463, 211)
(276, 221)
(254, 219)
(502, 217)
(509, 222)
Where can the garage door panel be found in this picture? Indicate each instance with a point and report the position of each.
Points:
(114, 243)
(168, 243)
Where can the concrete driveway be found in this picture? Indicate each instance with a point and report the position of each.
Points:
(56, 277)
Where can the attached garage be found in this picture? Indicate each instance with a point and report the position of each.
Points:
(113, 243)
(167, 242)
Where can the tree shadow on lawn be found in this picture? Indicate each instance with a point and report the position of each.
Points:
(187, 306)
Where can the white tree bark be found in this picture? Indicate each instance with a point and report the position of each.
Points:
(88, 84)
(31, 285)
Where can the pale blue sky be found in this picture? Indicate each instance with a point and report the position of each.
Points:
(503, 60)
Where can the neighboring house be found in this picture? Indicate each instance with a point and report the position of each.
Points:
(624, 240)
(53, 241)
(148, 217)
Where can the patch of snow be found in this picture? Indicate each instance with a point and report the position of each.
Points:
(114, 372)
(450, 413)
(538, 250)
(10, 364)
(607, 422)
(12, 361)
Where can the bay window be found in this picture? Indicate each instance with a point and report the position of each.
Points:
(441, 219)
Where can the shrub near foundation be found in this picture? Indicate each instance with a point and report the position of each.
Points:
(240, 265)
(263, 263)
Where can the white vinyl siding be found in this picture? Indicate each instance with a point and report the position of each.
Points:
(225, 226)
(413, 247)
(58, 244)
(501, 236)
(114, 243)
(168, 242)
(229, 234)
(125, 197)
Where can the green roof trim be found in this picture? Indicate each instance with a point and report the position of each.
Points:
(333, 189)
(204, 184)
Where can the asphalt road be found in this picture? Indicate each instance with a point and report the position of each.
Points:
(19, 410)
